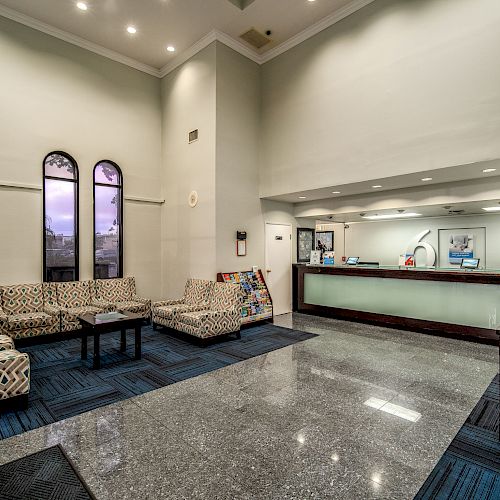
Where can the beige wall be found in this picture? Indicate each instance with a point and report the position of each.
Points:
(188, 234)
(55, 96)
(384, 241)
(398, 87)
(218, 92)
(237, 176)
(385, 92)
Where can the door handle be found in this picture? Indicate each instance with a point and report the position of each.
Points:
(268, 270)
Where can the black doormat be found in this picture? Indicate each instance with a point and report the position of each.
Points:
(470, 467)
(45, 475)
(62, 385)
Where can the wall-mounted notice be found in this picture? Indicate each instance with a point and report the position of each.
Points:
(462, 243)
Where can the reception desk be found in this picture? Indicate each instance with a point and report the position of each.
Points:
(446, 302)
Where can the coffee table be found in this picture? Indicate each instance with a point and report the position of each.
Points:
(96, 327)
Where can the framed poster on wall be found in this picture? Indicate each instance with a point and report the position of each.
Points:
(324, 241)
(305, 244)
(462, 243)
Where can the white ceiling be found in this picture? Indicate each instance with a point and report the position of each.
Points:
(456, 210)
(439, 176)
(180, 23)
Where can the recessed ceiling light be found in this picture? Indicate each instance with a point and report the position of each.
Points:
(335, 192)
(489, 170)
(82, 5)
(376, 186)
(426, 179)
(132, 30)
(491, 209)
(302, 197)
(390, 216)
(171, 48)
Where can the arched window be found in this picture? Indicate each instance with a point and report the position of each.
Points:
(108, 220)
(60, 217)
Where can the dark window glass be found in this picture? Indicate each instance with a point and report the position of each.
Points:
(108, 228)
(60, 218)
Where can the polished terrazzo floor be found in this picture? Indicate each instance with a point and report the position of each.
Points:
(288, 424)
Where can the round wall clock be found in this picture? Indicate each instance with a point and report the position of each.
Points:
(193, 199)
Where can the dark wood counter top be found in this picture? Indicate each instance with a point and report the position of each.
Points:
(482, 277)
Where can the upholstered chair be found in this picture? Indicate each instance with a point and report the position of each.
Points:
(23, 312)
(14, 375)
(120, 295)
(6, 343)
(196, 298)
(222, 317)
(75, 298)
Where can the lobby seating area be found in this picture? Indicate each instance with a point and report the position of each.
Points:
(31, 310)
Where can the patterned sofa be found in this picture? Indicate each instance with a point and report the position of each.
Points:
(75, 298)
(196, 298)
(120, 295)
(25, 312)
(217, 312)
(14, 375)
(45, 308)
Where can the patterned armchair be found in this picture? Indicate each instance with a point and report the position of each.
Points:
(23, 312)
(222, 317)
(14, 374)
(120, 295)
(75, 298)
(196, 298)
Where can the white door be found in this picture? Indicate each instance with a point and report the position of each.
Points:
(279, 266)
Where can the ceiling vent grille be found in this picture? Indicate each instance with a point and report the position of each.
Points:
(255, 38)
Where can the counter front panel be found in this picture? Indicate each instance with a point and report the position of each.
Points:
(446, 302)
(463, 304)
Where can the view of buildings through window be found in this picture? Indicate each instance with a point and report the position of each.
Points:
(60, 218)
(107, 220)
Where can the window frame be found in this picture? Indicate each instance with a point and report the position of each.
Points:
(120, 214)
(76, 182)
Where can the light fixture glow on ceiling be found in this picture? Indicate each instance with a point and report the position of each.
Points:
(376, 186)
(302, 197)
(489, 170)
(390, 216)
(426, 179)
(171, 48)
(335, 192)
(491, 209)
(82, 5)
(132, 30)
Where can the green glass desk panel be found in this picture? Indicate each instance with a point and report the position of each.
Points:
(467, 304)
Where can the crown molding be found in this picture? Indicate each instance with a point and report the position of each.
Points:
(76, 40)
(238, 46)
(203, 42)
(214, 35)
(321, 25)
(260, 59)
(188, 53)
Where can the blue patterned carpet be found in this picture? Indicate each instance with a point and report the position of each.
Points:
(470, 467)
(62, 385)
